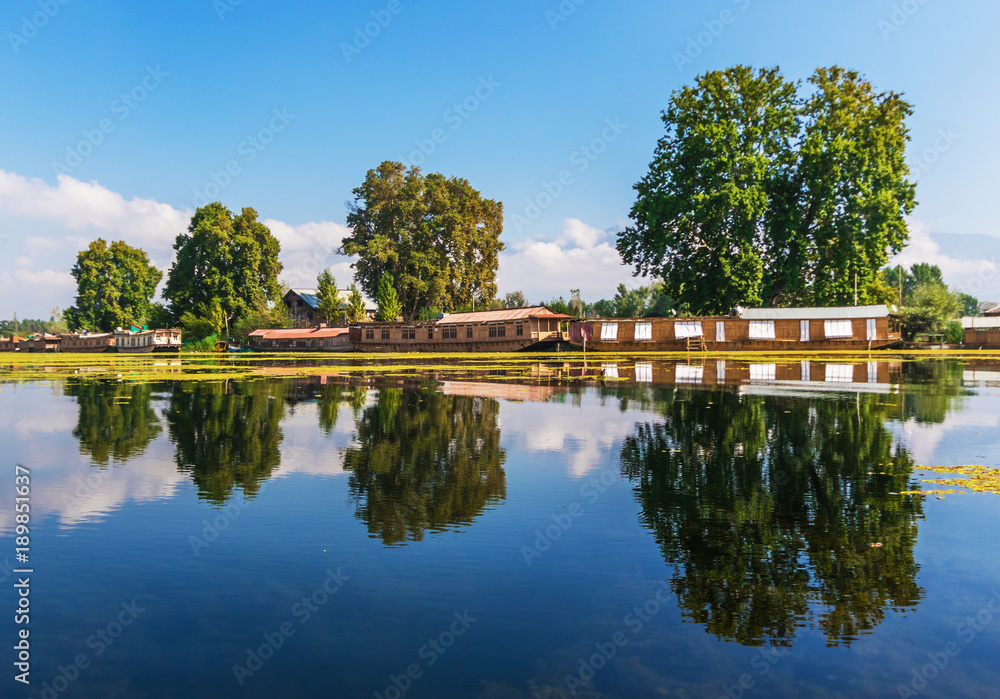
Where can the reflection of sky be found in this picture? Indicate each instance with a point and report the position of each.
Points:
(967, 435)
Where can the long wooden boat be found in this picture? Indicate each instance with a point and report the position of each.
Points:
(536, 328)
(86, 342)
(756, 329)
(161, 340)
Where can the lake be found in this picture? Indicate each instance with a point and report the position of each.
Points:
(504, 527)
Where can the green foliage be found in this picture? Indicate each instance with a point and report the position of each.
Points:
(355, 306)
(389, 306)
(428, 313)
(633, 303)
(115, 421)
(757, 195)
(224, 260)
(515, 299)
(210, 320)
(114, 286)
(933, 305)
(205, 344)
(261, 317)
(953, 333)
(158, 316)
(437, 237)
(969, 304)
(330, 305)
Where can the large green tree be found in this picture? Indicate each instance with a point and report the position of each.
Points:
(231, 261)
(331, 307)
(759, 194)
(114, 285)
(437, 236)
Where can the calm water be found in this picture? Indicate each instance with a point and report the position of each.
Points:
(683, 531)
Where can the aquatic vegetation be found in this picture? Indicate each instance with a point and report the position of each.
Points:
(975, 479)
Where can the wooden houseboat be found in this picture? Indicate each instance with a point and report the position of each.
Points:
(982, 333)
(161, 340)
(86, 342)
(318, 339)
(40, 342)
(756, 329)
(510, 330)
(10, 344)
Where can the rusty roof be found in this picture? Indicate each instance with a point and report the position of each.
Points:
(501, 315)
(298, 333)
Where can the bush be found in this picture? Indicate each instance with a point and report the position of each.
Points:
(953, 333)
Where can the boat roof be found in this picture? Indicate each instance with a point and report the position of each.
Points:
(830, 313)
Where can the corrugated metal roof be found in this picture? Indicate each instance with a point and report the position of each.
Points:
(983, 322)
(311, 296)
(995, 311)
(832, 313)
(298, 333)
(497, 316)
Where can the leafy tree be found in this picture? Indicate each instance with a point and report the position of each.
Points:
(262, 317)
(389, 306)
(437, 237)
(115, 421)
(933, 305)
(759, 195)
(225, 260)
(330, 306)
(114, 286)
(969, 304)
(355, 306)
(515, 299)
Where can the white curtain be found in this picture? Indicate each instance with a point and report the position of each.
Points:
(720, 331)
(687, 328)
(644, 373)
(840, 373)
(761, 329)
(838, 329)
(610, 370)
(690, 374)
(643, 331)
(609, 331)
(763, 372)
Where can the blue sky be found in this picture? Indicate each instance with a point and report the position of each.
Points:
(300, 99)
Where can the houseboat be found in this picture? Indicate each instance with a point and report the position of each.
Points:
(982, 333)
(143, 340)
(10, 344)
(86, 342)
(40, 342)
(318, 339)
(510, 330)
(752, 329)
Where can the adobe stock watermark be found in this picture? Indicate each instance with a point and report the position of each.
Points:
(429, 653)
(456, 115)
(922, 674)
(121, 109)
(224, 7)
(582, 158)
(698, 43)
(901, 14)
(365, 34)
(99, 642)
(591, 491)
(212, 530)
(303, 610)
(562, 13)
(31, 25)
(249, 149)
(605, 651)
(929, 157)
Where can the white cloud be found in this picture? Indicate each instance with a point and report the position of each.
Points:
(956, 272)
(582, 257)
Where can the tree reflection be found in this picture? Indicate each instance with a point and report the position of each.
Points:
(227, 434)
(777, 512)
(425, 461)
(116, 421)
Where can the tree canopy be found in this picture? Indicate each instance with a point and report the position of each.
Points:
(114, 285)
(231, 261)
(758, 194)
(437, 236)
(330, 304)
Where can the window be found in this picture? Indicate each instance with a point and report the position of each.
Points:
(688, 328)
(610, 371)
(872, 329)
(872, 372)
(369, 333)
(498, 331)
(520, 329)
(838, 329)
(763, 372)
(430, 333)
(468, 331)
(761, 329)
(450, 333)
(409, 333)
(840, 373)
(609, 331)
(643, 331)
(805, 335)
(720, 331)
(644, 372)
(720, 370)
(806, 369)
(385, 333)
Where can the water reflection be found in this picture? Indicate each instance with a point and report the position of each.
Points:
(227, 434)
(424, 461)
(777, 512)
(115, 421)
